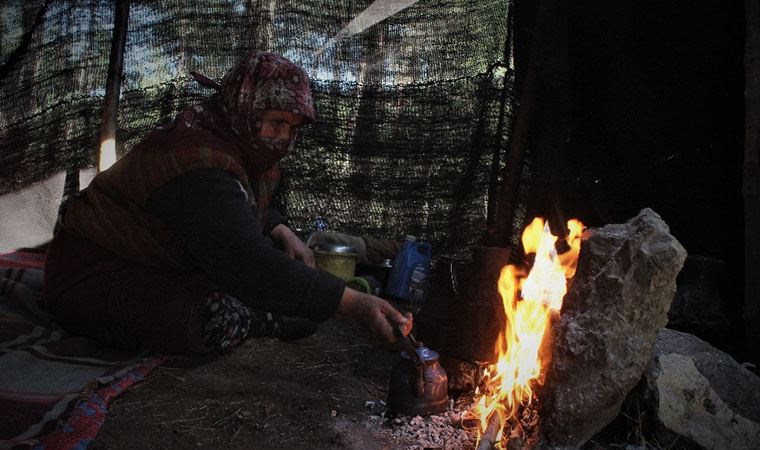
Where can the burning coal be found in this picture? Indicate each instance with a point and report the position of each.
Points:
(530, 299)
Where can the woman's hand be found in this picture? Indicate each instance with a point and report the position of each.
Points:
(292, 245)
(375, 314)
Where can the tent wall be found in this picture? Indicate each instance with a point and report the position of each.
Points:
(407, 109)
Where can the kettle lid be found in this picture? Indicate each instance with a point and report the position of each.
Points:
(425, 354)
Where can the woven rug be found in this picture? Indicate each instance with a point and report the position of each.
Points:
(54, 387)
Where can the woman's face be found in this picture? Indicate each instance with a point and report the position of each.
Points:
(280, 124)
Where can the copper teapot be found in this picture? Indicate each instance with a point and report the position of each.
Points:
(418, 384)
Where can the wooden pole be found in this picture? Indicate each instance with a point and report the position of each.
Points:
(497, 230)
(107, 155)
(493, 184)
(751, 182)
(549, 131)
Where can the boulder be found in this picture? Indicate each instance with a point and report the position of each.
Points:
(699, 397)
(616, 304)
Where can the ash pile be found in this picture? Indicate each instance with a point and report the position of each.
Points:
(447, 430)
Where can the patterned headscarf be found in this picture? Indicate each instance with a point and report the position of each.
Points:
(267, 81)
(229, 123)
(261, 81)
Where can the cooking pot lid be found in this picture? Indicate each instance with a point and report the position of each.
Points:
(334, 247)
(328, 243)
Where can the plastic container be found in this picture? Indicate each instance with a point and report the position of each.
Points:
(408, 280)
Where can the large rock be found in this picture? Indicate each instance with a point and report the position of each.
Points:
(616, 304)
(699, 397)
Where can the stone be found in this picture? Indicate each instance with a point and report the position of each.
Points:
(699, 397)
(615, 306)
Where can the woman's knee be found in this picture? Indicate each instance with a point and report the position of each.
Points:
(225, 322)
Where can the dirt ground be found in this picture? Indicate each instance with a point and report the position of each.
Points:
(264, 394)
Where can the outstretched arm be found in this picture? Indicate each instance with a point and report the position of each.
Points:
(292, 245)
(374, 314)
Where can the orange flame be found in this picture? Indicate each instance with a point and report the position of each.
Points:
(528, 301)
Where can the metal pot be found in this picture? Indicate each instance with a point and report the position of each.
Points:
(467, 300)
(338, 259)
(418, 384)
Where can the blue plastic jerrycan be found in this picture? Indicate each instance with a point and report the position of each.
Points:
(408, 280)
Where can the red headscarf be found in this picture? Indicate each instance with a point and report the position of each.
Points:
(259, 82)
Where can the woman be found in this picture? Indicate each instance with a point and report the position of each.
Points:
(173, 247)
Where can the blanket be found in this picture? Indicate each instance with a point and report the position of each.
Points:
(54, 387)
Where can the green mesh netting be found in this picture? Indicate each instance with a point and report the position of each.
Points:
(408, 109)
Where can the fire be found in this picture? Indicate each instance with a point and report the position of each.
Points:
(529, 300)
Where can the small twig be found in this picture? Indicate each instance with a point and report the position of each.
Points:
(139, 406)
(234, 435)
(224, 419)
(204, 406)
(181, 420)
(173, 376)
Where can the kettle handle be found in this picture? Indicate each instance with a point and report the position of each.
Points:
(418, 380)
(417, 377)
